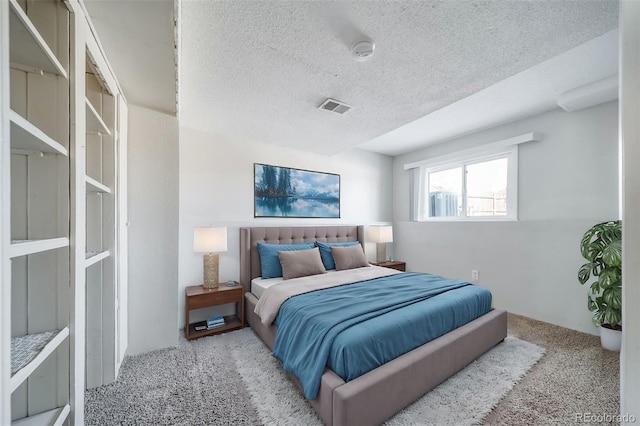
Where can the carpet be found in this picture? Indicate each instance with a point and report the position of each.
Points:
(576, 375)
(233, 379)
(464, 399)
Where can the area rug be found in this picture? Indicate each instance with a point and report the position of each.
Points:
(464, 399)
(232, 379)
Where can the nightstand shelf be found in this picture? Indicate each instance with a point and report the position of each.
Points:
(232, 321)
(198, 297)
(393, 264)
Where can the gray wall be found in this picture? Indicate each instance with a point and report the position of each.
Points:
(216, 189)
(567, 182)
(207, 180)
(153, 230)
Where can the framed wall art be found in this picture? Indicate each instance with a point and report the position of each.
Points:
(287, 192)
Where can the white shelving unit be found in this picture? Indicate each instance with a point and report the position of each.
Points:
(27, 137)
(26, 247)
(33, 350)
(28, 48)
(101, 116)
(94, 120)
(36, 249)
(55, 417)
(95, 186)
(60, 223)
(95, 257)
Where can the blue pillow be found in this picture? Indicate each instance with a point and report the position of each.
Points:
(325, 252)
(269, 261)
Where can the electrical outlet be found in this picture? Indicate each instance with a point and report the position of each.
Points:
(474, 274)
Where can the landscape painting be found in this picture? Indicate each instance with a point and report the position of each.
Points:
(287, 192)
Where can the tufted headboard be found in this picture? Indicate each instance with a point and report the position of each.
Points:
(249, 237)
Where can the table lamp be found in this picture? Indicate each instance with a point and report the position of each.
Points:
(381, 235)
(210, 241)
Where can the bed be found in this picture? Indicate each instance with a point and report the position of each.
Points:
(375, 396)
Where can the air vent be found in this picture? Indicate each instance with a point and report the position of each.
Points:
(335, 106)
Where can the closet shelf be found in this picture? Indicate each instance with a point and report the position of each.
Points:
(25, 135)
(94, 121)
(29, 352)
(26, 247)
(27, 47)
(93, 257)
(95, 186)
(55, 417)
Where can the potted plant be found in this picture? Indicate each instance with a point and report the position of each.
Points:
(601, 246)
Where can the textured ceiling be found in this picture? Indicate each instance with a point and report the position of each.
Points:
(258, 70)
(530, 92)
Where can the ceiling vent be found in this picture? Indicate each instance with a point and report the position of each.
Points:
(335, 106)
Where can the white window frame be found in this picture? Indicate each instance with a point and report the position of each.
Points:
(507, 148)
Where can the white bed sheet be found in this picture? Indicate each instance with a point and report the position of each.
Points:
(258, 285)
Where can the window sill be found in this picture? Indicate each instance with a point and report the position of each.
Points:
(468, 219)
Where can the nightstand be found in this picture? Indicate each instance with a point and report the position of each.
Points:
(392, 264)
(198, 297)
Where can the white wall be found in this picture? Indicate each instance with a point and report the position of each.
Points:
(153, 230)
(216, 189)
(630, 138)
(567, 183)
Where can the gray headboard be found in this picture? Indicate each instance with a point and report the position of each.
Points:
(249, 237)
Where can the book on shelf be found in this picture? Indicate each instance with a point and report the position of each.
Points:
(215, 320)
(217, 325)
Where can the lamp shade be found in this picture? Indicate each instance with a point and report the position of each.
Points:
(381, 234)
(209, 240)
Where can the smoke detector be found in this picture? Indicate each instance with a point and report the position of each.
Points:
(334, 106)
(363, 50)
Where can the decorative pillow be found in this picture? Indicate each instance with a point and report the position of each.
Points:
(301, 263)
(269, 262)
(325, 252)
(349, 257)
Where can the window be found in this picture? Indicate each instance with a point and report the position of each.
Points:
(445, 192)
(475, 187)
(479, 183)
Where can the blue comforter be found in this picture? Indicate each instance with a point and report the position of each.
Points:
(357, 327)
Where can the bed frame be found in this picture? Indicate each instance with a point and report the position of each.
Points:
(377, 395)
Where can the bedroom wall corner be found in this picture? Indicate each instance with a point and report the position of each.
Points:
(216, 189)
(567, 182)
(153, 230)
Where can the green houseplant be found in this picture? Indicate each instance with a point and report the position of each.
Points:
(601, 246)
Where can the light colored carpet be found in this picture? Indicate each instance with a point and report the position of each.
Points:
(173, 386)
(464, 399)
(233, 379)
(575, 376)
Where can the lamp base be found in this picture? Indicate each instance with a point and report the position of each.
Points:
(210, 267)
(381, 252)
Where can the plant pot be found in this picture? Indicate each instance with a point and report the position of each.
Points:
(610, 339)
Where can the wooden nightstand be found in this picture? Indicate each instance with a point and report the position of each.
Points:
(400, 266)
(200, 297)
